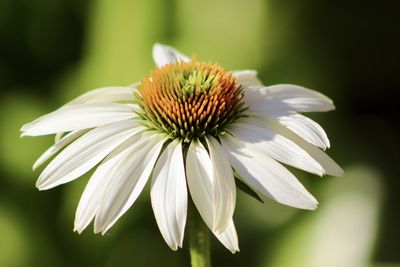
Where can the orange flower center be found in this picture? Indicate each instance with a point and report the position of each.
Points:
(190, 99)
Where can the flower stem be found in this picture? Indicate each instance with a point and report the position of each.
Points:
(199, 240)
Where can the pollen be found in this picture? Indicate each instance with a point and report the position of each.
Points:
(189, 100)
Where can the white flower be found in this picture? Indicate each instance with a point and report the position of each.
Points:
(187, 125)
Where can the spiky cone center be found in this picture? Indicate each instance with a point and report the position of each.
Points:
(189, 100)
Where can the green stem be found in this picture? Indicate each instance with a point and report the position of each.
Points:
(199, 240)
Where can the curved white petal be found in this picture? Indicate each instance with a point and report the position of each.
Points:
(95, 190)
(285, 98)
(99, 182)
(59, 144)
(163, 54)
(247, 78)
(169, 195)
(224, 196)
(58, 136)
(91, 196)
(78, 117)
(200, 179)
(211, 184)
(252, 133)
(106, 95)
(267, 176)
(102, 95)
(305, 128)
(328, 164)
(129, 179)
(83, 154)
(229, 237)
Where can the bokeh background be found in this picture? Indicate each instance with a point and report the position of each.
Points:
(52, 51)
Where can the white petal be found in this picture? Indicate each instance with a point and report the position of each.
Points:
(103, 95)
(163, 54)
(169, 195)
(200, 179)
(106, 95)
(267, 176)
(247, 78)
(78, 117)
(85, 153)
(304, 127)
(131, 175)
(329, 165)
(60, 144)
(58, 136)
(95, 190)
(224, 196)
(92, 195)
(211, 184)
(257, 136)
(286, 97)
(99, 182)
(229, 238)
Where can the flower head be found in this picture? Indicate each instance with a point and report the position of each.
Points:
(189, 126)
(190, 100)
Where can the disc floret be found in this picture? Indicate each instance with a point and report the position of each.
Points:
(189, 100)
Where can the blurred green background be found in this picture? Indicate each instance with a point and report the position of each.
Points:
(52, 51)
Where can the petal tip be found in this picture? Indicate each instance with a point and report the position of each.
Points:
(314, 206)
(310, 203)
(78, 230)
(23, 127)
(334, 170)
(26, 129)
(39, 185)
(23, 131)
(234, 251)
(339, 172)
(42, 184)
(164, 54)
(96, 229)
(174, 247)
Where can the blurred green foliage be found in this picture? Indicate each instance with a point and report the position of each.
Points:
(52, 51)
